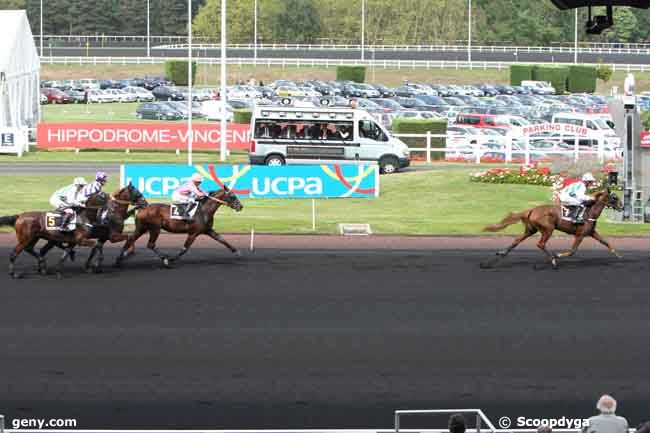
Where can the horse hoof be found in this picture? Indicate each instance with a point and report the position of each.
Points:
(16, 275)
(237, 253)
(72, 255)
(59, 276)
(43, 271)
(501, 253)
(166, 262)
(554, 263)
(98, 271)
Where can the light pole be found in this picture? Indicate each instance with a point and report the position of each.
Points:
(363, 30)
(255, 33)
(41, 27)
(190, 137)
(148, 33)
(575, 46)
(224, 93)
(469, 31)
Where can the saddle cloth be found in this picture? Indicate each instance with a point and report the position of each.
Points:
(176, 212)
(53, 222)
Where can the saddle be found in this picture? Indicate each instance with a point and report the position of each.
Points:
(53, 222)
(574, 214)
(179, 211)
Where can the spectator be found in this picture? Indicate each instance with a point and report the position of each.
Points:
(544, 429)
(251, 81)
(607, 421)
(457, 424)
(644, 428)
(353, 103)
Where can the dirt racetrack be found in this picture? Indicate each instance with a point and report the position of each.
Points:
(325, 332)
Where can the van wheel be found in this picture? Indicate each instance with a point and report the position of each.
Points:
(274, 161)
(388, 165)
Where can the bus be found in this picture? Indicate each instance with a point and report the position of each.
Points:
(323, 135)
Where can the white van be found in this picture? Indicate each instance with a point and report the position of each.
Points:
(596, 123)
(290, 135)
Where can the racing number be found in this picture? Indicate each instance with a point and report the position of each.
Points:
(51, 221)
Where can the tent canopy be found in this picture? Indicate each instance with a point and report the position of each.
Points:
(19, 71)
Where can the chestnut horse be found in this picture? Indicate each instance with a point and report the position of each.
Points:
(156, 216)
(546, 219)
(30, 228)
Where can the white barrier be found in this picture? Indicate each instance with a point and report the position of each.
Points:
(14, 141)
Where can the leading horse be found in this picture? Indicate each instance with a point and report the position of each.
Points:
(546, 219)
(156, 217)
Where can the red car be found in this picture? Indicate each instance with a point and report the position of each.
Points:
(56, 96)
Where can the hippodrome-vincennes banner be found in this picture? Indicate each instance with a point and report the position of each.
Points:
(258, 181)
(139, 135)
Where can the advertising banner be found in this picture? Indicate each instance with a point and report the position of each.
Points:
(645, 139)
(558, 128)
(128, 135)
(13, 140)
(257, 181)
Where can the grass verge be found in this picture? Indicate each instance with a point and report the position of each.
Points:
(416, 203)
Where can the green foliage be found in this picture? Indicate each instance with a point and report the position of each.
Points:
(176, 71)
(242, 116)
(582, 79)
(421, 126)
(604, 73)
(556, 75)
(645, 120)
(519, 73)
(351, 73)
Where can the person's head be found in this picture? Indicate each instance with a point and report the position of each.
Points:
(606, 404)
(101, 177)
(79, 182)
(457, 424)
(588, 179)
(197, 179)
(353, 103)
(544, 429)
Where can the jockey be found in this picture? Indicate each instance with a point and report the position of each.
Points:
(576, 199)
(187, 194)
(96, 187)
(66, 199)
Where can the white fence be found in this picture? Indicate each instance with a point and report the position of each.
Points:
(313, 63)
(476, 149)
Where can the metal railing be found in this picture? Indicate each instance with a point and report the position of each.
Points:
(480, 416)
(328, 63)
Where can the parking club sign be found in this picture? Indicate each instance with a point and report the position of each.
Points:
(254, 181)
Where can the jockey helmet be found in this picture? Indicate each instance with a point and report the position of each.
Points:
(588, 177)
(101, 176)
(197, 178)
(79, 181)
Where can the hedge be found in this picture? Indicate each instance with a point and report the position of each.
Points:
(421, 126)
(645, 120)
(176, 71)
(582, 79)
(519, 73)
(351, 73)
(556, 75)
(242, 116)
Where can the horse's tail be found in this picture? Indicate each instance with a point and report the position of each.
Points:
(8, 220)
(512, 218)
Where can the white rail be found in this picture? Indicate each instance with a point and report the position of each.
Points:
(328, 63)
(480, 416)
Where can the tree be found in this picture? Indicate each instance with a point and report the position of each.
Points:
(12, 4)
(293, 21)
(625, 25)
(239, 20)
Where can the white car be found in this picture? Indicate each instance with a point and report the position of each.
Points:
(309, 91)
(99, 96)
(212, 110)
(89, 83)
(119, 95)
(243, 92)
(141, 94)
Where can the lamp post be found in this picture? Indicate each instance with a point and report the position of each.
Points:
(224, 93)
(469, 31)
(255, 33)
(575, 46)
(41, 28)
(363, 30)
(190, 135)
(148, 33)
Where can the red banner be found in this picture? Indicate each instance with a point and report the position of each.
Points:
(645, 139)
(139, 136)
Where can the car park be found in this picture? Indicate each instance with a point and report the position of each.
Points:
(156, 111)
(56, 96)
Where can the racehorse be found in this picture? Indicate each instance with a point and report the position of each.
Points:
(546, 219)
(31, 227)
(157, 216)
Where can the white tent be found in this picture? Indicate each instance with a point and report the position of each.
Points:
(19, 72)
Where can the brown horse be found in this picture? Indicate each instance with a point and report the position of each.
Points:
(156, 216)
(30, 228)
(546, 219)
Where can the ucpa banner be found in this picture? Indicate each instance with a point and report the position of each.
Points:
(257, 181)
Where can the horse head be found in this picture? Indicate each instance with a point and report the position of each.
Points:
(228, 197)
(131, 195)
(609, 199)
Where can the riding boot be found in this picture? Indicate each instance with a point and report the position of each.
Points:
(580, 217)
(187, 210)
(65, 220)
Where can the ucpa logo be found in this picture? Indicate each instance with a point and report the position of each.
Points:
(286, 186)
(157, 186)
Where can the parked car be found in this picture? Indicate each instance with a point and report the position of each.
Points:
(141, 94)
(89, 83)
(77, 96)
(120, 95)
(56, 96)
(156, 111)
(166, 93)
(99, 96)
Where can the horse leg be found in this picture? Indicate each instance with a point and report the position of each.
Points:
(151, 244)
(530, 230)
(577, 240)
(217, 237)
(12, 260)
(188, 244)
(29, 249)
(100, 258)
(89, 261)
(59, 267)
(546, 235)
(43, 252)
(129, 245)
(609, 246)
